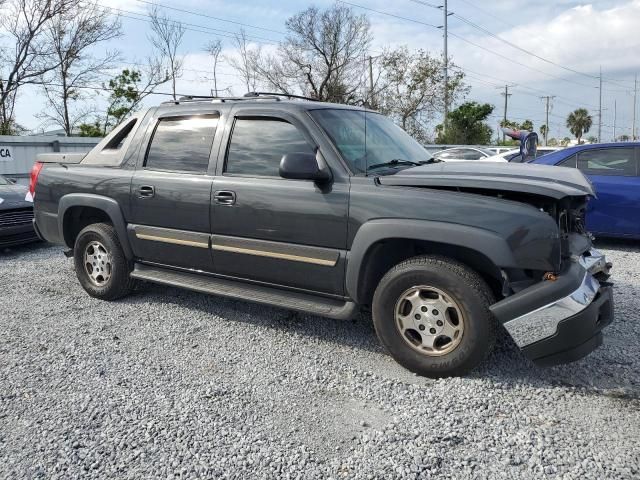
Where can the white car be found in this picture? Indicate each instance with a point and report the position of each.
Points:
(513, 155)
(499, 150)
(463, 154)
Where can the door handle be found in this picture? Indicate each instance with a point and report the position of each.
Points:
(146, 191)
(225, 197)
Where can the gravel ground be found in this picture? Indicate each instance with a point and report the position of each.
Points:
(172, 384)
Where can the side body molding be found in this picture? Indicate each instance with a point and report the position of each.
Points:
(108, 205)
(489, 244)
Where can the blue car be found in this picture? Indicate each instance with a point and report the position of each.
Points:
(614, 171)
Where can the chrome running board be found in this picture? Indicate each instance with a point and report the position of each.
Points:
(302, 302)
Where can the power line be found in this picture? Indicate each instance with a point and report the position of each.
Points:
(519, 63)
(489, 14)
(507, 42)
(389, 14)
(459, 37)
(517, 47)
(576, 103)
(211, 17)
(107, 89)
(189, 26)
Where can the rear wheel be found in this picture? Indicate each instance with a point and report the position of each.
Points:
(100, 263)
(432, 314)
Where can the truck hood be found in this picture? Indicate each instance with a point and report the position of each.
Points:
(549, 181)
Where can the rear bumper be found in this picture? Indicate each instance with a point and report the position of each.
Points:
(561, 321)
(46, 226)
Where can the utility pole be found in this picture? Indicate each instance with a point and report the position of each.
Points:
(506, 95)
(600, 110)
(446, 69)
(615, 117)
(373, 105)
(635, 91)
(546, 133)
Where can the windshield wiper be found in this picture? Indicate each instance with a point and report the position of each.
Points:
(431, 160)
(393, 163)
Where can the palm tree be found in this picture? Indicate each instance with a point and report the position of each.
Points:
(527, 125)
(544, 130)
(579, 122)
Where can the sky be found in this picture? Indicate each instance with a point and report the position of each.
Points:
(545, 48)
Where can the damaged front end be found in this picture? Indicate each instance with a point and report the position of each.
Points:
(554, 316)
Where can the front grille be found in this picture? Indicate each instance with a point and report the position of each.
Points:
(19, 216)
(571, 220)
(18, 238)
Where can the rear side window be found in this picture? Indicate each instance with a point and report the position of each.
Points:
(569, 162)
(608, 161)
(182, 144)
(471, 155)
(258, 144)
(118, 139)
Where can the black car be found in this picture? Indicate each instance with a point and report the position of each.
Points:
(16, 215)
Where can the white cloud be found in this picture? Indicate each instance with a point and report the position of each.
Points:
(582, 38)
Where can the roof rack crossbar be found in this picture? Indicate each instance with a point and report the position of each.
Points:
(245, 97)
(287, 95)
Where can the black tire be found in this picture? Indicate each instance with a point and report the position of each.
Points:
(461, 284)
(119, 283)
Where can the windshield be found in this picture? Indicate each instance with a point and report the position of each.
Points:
(4, 181)
(369, 141)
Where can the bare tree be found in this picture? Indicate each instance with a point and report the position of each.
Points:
(411, 88)
(322, 55)
(214, 48)
(166, 38)
(245, 61)
(30, 56)
(72, 34)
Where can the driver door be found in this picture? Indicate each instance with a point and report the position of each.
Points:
(269, 229)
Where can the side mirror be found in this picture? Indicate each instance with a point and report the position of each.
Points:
(304, 166)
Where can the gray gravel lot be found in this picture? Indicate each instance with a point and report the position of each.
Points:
(173, 384)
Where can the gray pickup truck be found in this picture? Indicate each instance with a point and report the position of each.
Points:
(330, 209)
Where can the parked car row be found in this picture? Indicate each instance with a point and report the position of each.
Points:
(460, 154)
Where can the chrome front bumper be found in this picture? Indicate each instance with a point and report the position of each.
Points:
(594, 262)
(542, 322)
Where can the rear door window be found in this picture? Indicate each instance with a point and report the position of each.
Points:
(608, 161)
(182, 144)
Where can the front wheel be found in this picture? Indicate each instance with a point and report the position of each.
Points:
(432, 314)
(100, 262)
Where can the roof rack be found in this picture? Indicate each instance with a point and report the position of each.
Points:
(245, 97)
(287, 95)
